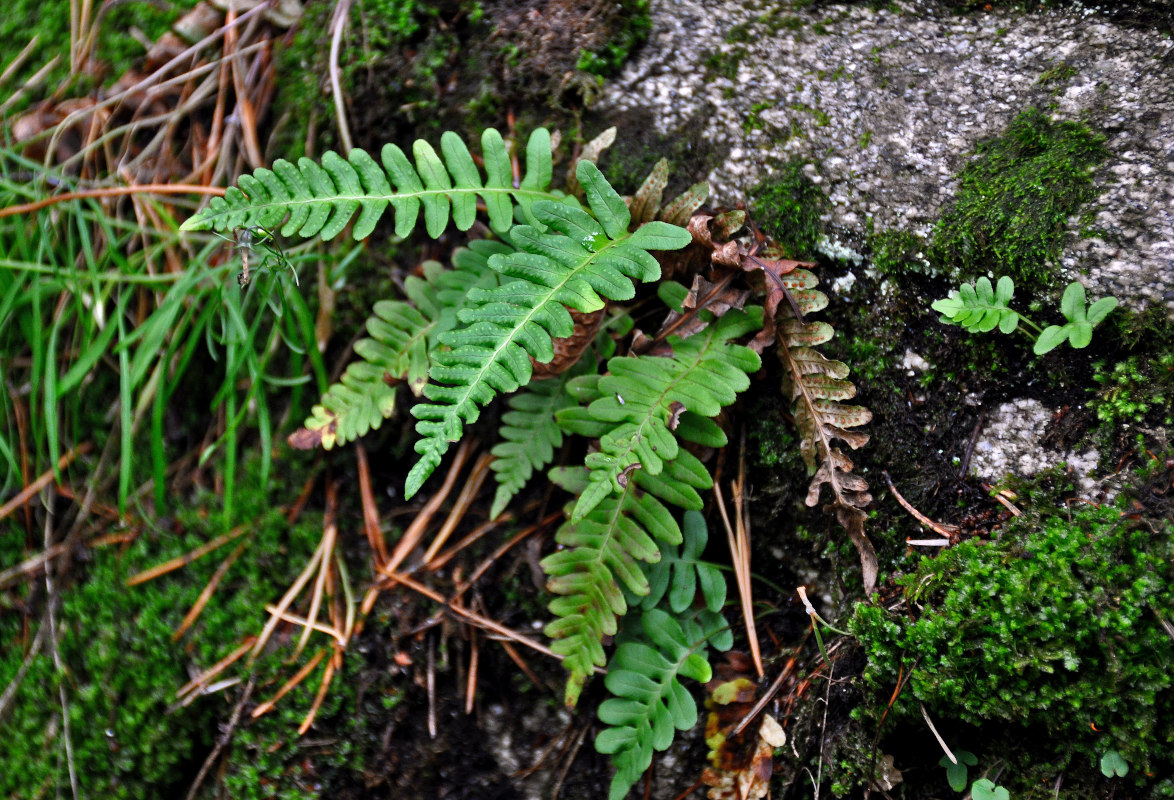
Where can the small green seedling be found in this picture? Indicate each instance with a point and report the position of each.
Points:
(985, 789)
(956, 772)
(981, 307)
(1114, 765)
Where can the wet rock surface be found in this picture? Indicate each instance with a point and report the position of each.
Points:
(889, 104)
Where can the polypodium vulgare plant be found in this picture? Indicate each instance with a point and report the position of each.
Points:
(536, 307)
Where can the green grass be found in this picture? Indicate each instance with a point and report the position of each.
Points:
(101, 340)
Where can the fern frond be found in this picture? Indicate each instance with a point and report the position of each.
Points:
(816, 385)
(650, 704)
(529, 435)
(580, 262)
(643, 399)
(980, 307)
(320, 199)
(403, 335)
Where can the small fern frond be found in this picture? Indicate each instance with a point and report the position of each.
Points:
(650, 704)
(648, 402)
(583, 261)
(599, 562)
(529, 434)
(816, 385)
(980, 307)
(320, 199)
(403, 335)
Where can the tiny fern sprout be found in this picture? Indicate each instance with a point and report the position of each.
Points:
(981, 307)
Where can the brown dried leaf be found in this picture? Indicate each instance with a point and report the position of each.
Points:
(590, 152)
(646, 202)
(308, 439)
(703, 294)
(569, 349)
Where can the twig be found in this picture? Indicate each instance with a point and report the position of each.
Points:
(187, 558)
(936, 735)
(342, 11)
(51, 613)
(44, 480)
(936, 527)
(223, 739)
(111, 191)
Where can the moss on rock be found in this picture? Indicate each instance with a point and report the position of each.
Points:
(1010, 214)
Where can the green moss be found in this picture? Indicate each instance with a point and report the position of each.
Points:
(1055, 627)
(121, 667)
(788, 206)
(1014, 199)
(725, 64)
(897, 252)
(634, 30)
(753, 121)
(1059, 73)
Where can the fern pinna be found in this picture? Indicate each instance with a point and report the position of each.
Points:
(638, 412)
(583, 259)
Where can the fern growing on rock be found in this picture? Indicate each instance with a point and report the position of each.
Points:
(515, 313)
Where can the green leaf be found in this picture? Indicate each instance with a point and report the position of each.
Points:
(1113, 764)
(1100, 309)
(1051, 338)
(1072, 304)
(985, 789)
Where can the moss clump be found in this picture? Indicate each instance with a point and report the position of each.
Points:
(788, 206)
(897, 252)
(630, 34)
(1057, 627)
(121, 667)
(1014, 199)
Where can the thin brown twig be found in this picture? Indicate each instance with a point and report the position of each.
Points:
(371, 526)
(936, 527)
(461, 506)
(188, 557)
(415, 531)
(44, 480)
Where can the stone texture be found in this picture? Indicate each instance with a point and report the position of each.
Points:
(889, 104)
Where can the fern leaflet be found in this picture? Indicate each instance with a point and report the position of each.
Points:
(530, 434)
(402, 337)
(583, 260)
(321, 199)
(816, 385)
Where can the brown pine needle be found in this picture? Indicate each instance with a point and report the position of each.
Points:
(502, 550)
(302, 622)
(471, 682)
(464, 499)
(187, 558)
(292, 592)
(740, 556)
(327, 676)
(44, 480)
(516, 657)
(325, 563)
(297, 678)
(205, 595)
(936, 527)
(415, 531)
(111, 191)
(221, 665)
(371, 524)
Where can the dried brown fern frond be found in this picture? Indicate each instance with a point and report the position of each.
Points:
(816, 385)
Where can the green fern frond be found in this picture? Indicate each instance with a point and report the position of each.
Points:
(403, 335)
(319, 199)
(650, 704)
(980, 307)
(529, 434)
(643, 399)
(584, 259)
